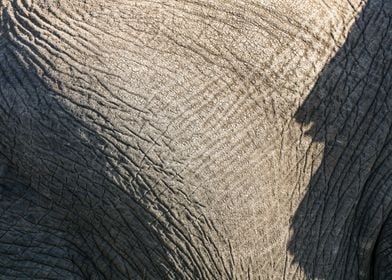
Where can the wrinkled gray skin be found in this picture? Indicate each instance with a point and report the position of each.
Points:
(195, 139)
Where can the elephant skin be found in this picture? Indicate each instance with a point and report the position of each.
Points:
(195, 139)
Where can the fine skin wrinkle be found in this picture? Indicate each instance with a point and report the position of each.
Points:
(195, 139)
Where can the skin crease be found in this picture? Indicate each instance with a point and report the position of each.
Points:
(195, 139)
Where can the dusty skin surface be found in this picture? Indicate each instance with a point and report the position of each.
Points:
(163, 139)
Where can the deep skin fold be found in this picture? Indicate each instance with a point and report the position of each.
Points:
(95, 186)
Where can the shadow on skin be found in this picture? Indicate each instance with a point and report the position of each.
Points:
(62, 211)
(67, 208)
(338, 227)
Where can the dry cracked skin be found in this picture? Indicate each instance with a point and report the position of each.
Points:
(195, 139)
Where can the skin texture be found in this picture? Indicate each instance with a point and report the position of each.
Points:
(195, 139)
(348, 200)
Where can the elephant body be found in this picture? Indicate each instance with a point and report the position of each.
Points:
(195, 139)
